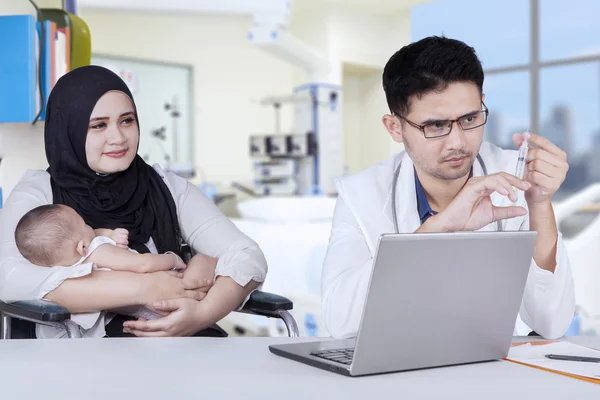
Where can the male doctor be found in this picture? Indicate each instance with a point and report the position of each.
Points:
(434, 91)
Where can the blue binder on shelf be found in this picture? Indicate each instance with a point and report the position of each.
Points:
(19, 93)
(47, 62)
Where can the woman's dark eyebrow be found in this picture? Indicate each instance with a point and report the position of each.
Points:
(105, 118)
(98, 119)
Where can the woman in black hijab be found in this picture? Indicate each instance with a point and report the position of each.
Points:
(136, 198)
(91, 138)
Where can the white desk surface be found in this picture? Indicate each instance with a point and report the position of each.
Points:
(243, 368)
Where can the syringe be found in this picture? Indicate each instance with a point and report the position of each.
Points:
(522, 160)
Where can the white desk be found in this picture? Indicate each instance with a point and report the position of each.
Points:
(243, 368)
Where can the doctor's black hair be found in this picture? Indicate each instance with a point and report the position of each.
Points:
(429, 64)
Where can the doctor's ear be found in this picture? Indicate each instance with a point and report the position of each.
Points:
(393, 126)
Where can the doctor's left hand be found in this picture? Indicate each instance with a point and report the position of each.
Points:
(546, 168)
(184, 319)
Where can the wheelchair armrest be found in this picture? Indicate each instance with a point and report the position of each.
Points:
(46, 311)
(263, 301)
(35, 311)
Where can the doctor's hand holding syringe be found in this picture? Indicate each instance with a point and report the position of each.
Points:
(542, 170)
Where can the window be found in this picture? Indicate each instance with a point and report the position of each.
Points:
(569, 28)
(570, 118)
(498, 30)
(507, 97)
(565, 103)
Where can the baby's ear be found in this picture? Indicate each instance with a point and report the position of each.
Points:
(81, 248)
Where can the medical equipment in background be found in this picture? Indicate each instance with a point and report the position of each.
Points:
(183, 169)
(320, 116)
(307, 160)
(159, 135)
(174, 113)
(314, 149)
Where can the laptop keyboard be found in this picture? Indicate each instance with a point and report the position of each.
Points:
(343, 356)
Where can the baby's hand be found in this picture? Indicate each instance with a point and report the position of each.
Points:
(121, 237)
(201, 268)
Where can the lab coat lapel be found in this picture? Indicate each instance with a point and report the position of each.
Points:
(478, 171)
(406, 199)
(366, 194)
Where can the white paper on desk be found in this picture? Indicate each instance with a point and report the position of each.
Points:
(536, 355)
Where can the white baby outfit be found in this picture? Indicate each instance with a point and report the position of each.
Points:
(90, 325)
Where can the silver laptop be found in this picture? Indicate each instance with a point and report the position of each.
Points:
(434, 299)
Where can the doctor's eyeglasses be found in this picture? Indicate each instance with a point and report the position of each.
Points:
(436, 129)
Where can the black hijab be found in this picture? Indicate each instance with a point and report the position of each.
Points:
(136, 199)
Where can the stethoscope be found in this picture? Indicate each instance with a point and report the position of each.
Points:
(395, 184)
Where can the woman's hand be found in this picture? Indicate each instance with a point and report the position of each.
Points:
(186, 317)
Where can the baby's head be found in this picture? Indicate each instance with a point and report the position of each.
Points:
(53, 235)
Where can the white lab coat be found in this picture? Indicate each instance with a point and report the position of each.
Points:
(364, 211)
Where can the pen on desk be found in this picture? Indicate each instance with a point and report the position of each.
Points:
(572, 358)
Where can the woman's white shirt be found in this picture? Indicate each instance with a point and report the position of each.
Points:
(202, 224)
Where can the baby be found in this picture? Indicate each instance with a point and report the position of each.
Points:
(56, 235)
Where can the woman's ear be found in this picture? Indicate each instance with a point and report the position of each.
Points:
(81, 248)
(394, 127)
